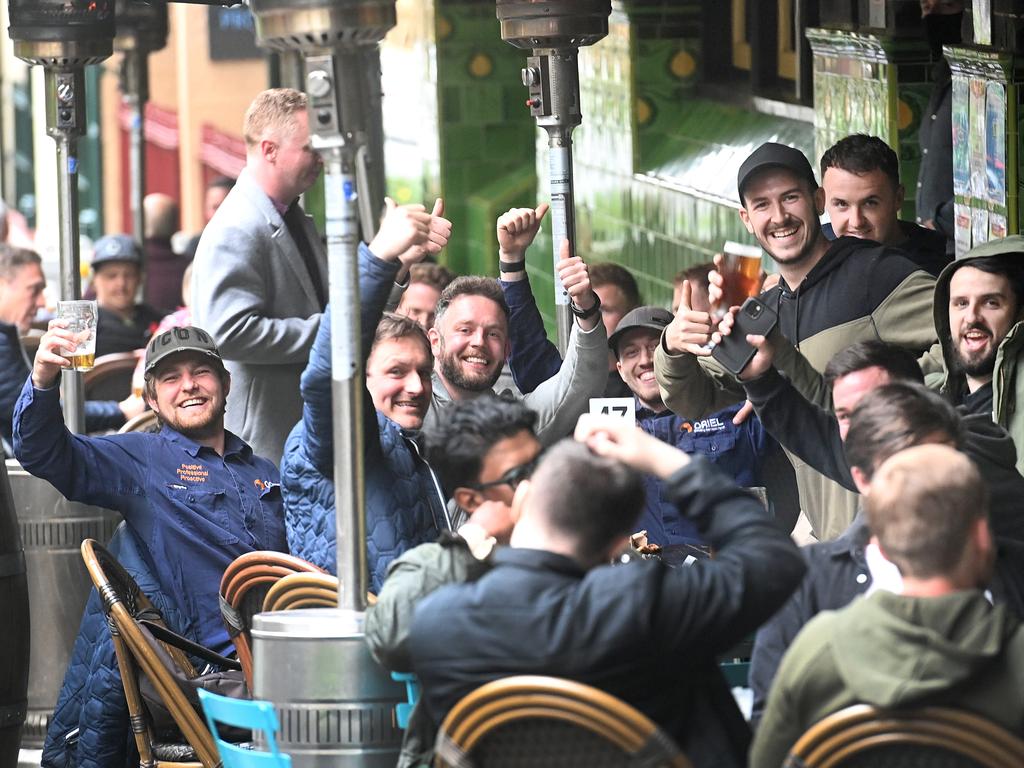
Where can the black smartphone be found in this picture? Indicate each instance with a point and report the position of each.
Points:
(733, 351)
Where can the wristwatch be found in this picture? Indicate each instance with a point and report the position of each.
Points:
(511, 266)
(584, 314)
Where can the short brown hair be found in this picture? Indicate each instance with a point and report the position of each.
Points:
(272, 113)
(13, 258)
(434, 275)
(610, 273)
(895, 417)
(392, 326)
(471, 285)
(922, 504)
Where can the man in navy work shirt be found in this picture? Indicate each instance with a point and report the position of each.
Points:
(739, 450)
(194, 494)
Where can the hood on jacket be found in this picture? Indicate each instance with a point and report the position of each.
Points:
(931, 644)
(1011, 247)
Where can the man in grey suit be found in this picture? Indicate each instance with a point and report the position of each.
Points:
(259, 282)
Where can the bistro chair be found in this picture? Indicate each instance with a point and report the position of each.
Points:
(143, 422)
(862, 736)
(250, 715)
(144, 649)
(536, 721)
(111, 377)
(244, 586)
(302, 590)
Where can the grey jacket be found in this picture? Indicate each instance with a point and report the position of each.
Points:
(252, 291)
(560, 400)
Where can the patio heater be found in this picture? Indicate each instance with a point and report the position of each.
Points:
(554, 30)
(64, 36)
(141, 29)
(314, 664)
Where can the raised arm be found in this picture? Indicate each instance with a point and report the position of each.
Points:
(756, 566)
(561, 399)
(406, 235)
(533, 358)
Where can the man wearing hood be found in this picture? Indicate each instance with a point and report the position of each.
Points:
(979, 300)
(830, 295)
(937, 641)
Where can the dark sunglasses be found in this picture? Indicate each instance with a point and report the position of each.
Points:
(512, 478)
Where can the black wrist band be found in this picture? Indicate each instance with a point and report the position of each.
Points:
(511, 266)
(584, 314)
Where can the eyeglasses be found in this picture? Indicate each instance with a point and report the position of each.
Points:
(512, 478)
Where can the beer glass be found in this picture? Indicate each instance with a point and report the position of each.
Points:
(741, 274)
(81, 317)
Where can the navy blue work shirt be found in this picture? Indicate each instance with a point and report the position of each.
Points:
(736, 450)
(193, 510)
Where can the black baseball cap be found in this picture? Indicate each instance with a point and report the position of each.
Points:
(772, 155)
(189, 339)
(116, 248)
(654, 318)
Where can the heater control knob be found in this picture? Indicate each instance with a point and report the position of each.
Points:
(531, 76)
(318, 83)
(65, 92)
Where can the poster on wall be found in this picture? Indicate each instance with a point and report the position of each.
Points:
(961, 151)
(995, 143)
(962, 215)
(982, 17)
(979, 187)
(996, 226)
(979, 226)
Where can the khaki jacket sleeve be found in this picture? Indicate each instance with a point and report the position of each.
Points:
(410, 578)
(905, 316)
(804, 377)
(692, 386)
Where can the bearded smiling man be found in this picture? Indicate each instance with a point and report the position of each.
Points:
(470, 341)
(978, 307)
(191, 493)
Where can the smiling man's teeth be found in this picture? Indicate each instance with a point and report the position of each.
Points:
(193, 401)
(784, 233)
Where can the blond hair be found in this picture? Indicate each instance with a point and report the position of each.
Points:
(922, 504)
(272, 115)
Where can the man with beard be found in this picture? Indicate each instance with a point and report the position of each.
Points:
(830, 295)
(470, 342)
(193, 493)
(979, 302)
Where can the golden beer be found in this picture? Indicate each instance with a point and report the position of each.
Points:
(82, 362)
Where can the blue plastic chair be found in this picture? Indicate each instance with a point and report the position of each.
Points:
(242, 713)
(412, 692)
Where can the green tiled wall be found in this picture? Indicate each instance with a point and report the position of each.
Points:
(486, 130)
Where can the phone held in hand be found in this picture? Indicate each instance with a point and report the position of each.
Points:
(733, 351)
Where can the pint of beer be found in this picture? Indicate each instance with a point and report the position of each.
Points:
(81, 318)
(741, 274)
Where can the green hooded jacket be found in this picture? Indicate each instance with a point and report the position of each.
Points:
(1007, 385)
(892, 651)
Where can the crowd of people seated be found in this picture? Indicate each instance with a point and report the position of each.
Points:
(880, 410)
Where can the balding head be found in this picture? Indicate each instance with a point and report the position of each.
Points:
(924, 505)
(161, 215)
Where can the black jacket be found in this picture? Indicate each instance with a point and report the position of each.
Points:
(836, 570)
(812, 434)
(643, 632)
(925, 247)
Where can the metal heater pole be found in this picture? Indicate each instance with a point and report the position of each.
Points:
(65, 118)
(135, 79)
